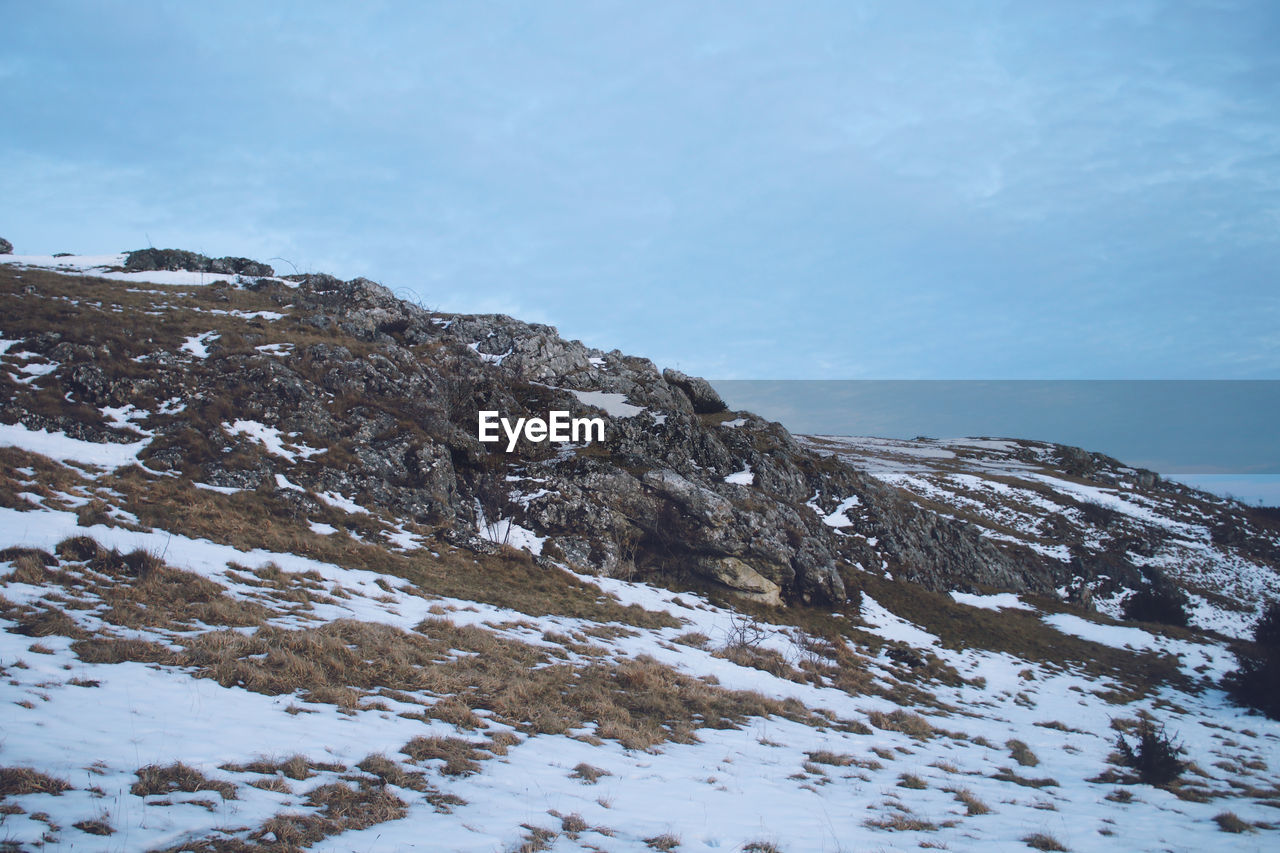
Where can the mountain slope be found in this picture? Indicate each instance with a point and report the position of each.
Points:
(266, 589)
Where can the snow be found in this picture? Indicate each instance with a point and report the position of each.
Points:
(614, 405)
(338, 501)
(198, 345)
(57, 445)
(837, 517)
(506, 532)
(745, 477)
(222, 490)
(272, 439)
(999, 601)
(729, 788)
(322, 528)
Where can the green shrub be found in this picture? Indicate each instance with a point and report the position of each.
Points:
(1256, 681)
(1154, 756)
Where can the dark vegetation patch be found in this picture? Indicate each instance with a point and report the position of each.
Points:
(1256, 681)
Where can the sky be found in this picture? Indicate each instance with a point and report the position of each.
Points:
(746, 190)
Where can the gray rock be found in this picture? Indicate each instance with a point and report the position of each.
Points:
(6, 248)
(699, 391)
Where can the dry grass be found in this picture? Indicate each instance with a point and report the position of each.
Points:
(910, 780)
(972, 804)
(98, 826)
(1231, 822)
(297, 767)
(17, 781)
(157, 780)
(262, 519)
(1041, 841)
(665, 842)
(835, 759)
(588, 774)
(901, 822)
(460, 757)
(907, 722)
(101, 649)
(637, 702)
(1006, 774)
(1022, 753)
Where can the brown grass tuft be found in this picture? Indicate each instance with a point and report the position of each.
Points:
(460, 757)
(154, 779)
(1022, 753)
(588, 774)
(17, 781)
(907, 722)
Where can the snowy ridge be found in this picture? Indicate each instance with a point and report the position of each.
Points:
(280, 660)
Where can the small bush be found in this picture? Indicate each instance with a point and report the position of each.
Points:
(1155, 755)
(1160, 601)
(1256, 681)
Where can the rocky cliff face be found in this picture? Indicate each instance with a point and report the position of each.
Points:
(336, 393)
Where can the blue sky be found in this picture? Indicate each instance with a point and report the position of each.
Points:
(940, 190)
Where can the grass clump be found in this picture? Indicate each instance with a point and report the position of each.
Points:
(17, 781)
(460, 757)
(664, 842)
(1022, 753)
(1231, 822)
(1042, 841)
(588, 774)
(155, 779)
(972, 804)
(912, 781)
(907, 722)
(97, 826)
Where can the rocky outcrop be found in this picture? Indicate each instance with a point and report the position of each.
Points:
(180, 259)
(389, 391)
(6, 248)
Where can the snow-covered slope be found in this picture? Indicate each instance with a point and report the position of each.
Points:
(1091, 514)
(285, 663)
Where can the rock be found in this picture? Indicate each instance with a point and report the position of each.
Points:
(6, 248)
(180, 259)
(699, 391)
(741, 578)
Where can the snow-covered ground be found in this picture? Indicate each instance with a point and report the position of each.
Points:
(978, 750)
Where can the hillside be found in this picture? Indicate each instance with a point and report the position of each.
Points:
(265, 588)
